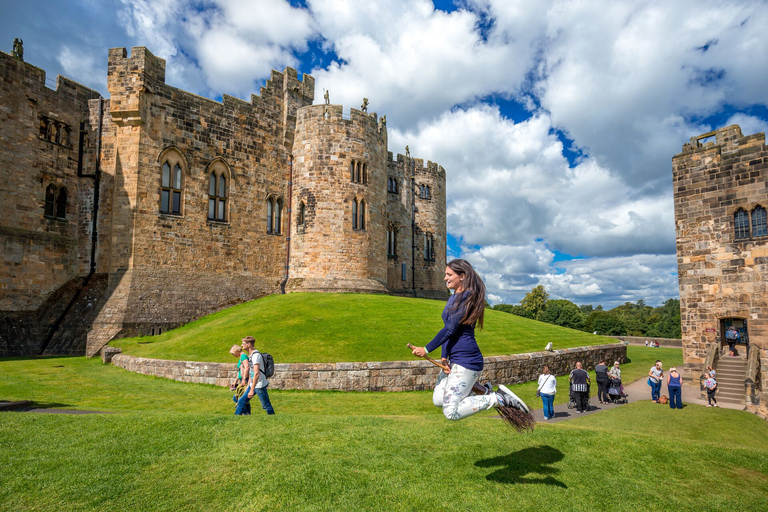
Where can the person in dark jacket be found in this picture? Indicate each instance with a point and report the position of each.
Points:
(464, 310)
(603, 381)
(580, 381)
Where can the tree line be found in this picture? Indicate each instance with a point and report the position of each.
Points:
(629, 319)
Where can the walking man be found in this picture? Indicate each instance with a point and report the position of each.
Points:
(257, 384)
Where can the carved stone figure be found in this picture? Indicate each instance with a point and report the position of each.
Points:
(383, 119)
(18, 48)
(407, 151)
(327, 98)
(364, 107)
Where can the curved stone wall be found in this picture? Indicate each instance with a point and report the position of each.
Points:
(416, 375)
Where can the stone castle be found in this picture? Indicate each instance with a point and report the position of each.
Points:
(721, 196)
(137, 213)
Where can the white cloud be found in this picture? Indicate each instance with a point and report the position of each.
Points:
(749, 124)
(411, 61)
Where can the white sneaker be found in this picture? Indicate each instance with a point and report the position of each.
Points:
(509, 399)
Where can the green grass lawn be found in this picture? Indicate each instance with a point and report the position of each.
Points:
(328, 328)
(176, 446)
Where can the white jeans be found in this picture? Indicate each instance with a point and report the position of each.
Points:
(452, 394)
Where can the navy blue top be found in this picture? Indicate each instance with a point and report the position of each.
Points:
(456, 339)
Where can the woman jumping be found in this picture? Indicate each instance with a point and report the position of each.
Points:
(464, 310)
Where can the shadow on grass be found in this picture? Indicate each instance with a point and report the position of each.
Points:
(523, 462)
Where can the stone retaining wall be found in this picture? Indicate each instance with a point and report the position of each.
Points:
(640, 340)
(414, 375)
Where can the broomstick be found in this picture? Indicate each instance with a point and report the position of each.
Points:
(512, 417)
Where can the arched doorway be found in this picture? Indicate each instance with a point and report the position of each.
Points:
(740, 324)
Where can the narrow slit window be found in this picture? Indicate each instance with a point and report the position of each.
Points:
(61, 204)
(50, 200)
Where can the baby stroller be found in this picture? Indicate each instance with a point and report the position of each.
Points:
(615, 393)
(572, 398)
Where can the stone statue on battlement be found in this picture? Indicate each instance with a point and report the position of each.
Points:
(407, 152)
(364, 106)
(383, 119)
(327, 97)
(18, 48)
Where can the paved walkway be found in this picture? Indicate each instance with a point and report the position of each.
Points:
(636, 392)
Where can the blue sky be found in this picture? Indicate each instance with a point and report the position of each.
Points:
(556, 121)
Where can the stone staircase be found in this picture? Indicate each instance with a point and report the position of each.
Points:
(731, 372)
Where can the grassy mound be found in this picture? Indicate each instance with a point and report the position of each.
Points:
(321, 327)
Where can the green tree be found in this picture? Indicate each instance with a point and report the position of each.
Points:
(562, 312)
(535, 301)
(514, 309)
(606, 323)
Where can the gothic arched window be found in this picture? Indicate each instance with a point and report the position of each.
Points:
(61, 204)
(50, 200)
(302, 213)
(741, 224)
(354, 214)
(759, 226)
(218, 191)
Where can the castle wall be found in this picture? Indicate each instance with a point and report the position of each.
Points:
(151, 265)
(330, 250)
(168, 268)
(720, 276)
(40, 146)
(423, 185)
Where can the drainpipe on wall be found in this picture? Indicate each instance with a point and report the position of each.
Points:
(413, 228)
(288, 228)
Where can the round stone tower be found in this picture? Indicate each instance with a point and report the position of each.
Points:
(338, 212)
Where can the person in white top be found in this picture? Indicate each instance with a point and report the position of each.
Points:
(547, 389)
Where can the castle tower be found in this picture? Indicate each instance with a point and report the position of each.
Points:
(720, 184)
(338, 202)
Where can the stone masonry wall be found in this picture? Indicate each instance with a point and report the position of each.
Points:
(377, 376)
(411, 175)
(721, 277)
(166, 269)
(430, 221)
(327, 251)
(40, 146)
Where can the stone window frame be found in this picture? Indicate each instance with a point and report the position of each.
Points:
(429, 247)
(301, 216)
(392, 242)
(54, 131)
(758, 222)
(275, 210)
(392, 185)
(358, 214)
(55, 206)
(219, 169)
(172, 157)
(358, 172)
(748, 221)
(425, 192)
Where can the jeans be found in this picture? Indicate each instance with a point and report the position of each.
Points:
(243, 405)
(655, 390)
(548, 401)
(675, 397)
(264, 399)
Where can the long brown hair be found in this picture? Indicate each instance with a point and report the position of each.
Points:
(474, 287)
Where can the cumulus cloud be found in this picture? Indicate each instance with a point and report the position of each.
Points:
(412, 61)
